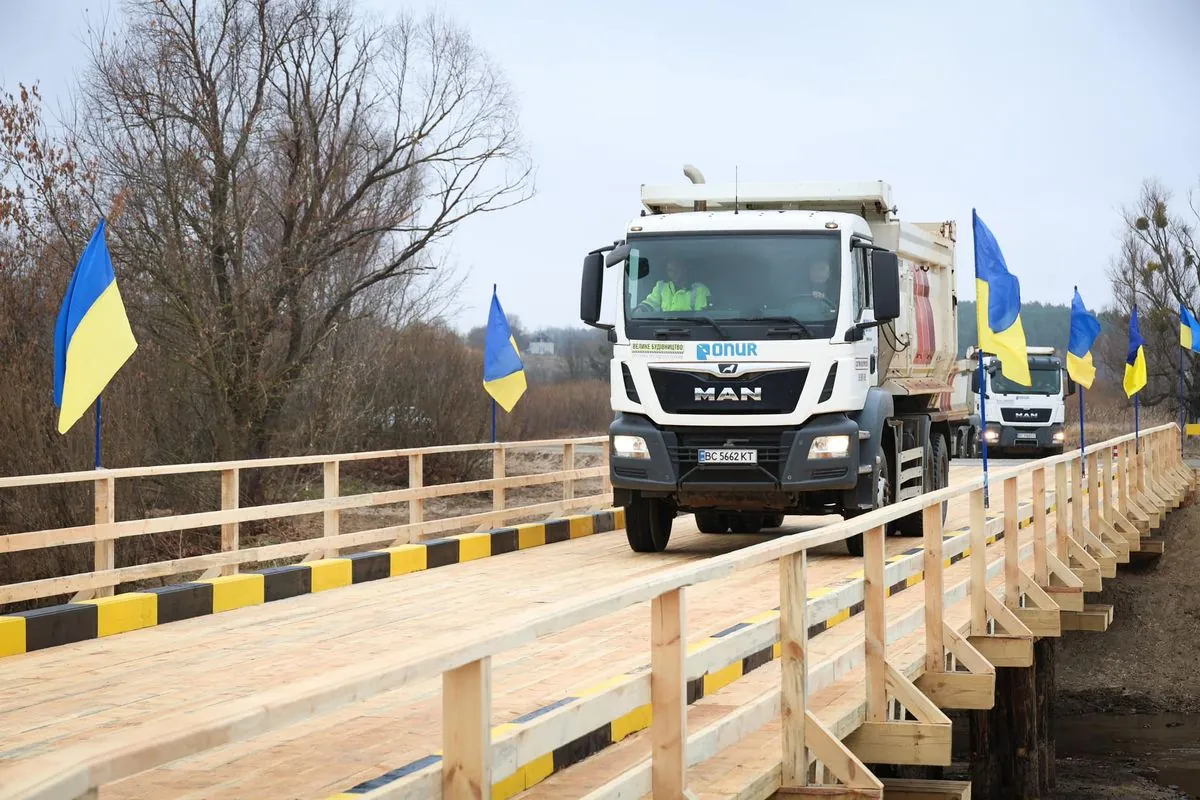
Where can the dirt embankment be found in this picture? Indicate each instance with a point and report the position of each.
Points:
(1128, 697)
(1149, 659)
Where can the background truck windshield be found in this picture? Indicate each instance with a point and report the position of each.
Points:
(1045, 381)
(734, 277)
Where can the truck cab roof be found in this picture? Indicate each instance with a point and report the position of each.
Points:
(704, 221)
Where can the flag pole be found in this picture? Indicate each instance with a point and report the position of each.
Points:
(1082, 462)
(97, 431)
(983, 424)
(1136, 428)
(493, 421)
(1182, 410)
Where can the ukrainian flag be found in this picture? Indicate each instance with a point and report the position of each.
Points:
(503, 370)
(1085, 327)
(92, 338)
(1189, 330)
(998, 306)
(1135, 361)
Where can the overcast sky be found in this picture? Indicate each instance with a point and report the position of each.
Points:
(1044, 116)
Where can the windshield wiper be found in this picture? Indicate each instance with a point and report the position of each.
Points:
(804, 328)
(724, 333)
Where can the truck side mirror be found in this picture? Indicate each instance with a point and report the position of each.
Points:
(592, 288)
(885, 282)
(974, 382)
(1070, 386)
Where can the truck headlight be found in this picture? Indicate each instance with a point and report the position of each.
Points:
(630, 446)
(991, 435)
(830, 447)
(1058, 436)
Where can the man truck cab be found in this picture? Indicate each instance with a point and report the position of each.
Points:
(807, 382)
(1021, 420)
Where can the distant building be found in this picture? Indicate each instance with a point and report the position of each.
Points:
(541, 347)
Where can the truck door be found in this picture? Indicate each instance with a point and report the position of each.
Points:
(866, 361)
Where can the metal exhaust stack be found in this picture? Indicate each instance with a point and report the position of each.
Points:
(695, 176)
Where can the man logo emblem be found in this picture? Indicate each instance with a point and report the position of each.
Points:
(728, 369)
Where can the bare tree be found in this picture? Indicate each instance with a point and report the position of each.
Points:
(289, 169)
(1158, 268)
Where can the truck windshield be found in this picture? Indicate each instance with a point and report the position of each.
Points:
(1044, 380)
(706, 285)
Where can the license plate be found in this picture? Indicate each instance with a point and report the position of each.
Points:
(727, 456)
(1026, 435)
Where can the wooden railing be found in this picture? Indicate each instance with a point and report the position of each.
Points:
(106, 530)
(1126, 496)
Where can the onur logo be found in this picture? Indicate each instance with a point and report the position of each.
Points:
(726, 350)
(743, 395)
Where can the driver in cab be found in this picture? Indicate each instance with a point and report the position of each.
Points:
(676, 293)
(819, 278)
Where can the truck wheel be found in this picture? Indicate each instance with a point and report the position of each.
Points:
(711, 522)
(883, 497)
(941, 467)
(772, 520)
(648, 524)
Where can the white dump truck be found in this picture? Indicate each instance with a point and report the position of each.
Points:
(1021, 420)
(778, 348)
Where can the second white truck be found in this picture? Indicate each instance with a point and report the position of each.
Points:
(1020, 420)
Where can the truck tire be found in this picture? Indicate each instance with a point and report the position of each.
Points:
(772, 520)
(648, 524)
(711, 522)
(883, 497)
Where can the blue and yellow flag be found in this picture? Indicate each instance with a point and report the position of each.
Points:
(503, 370)
(92, 338)
(1085, 327)
(1189, 330)
(998, 306)
(1135, 361)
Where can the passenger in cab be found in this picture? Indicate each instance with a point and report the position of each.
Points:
(677, 293)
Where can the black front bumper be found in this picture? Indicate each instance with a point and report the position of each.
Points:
(783, 462)
(1017, 436)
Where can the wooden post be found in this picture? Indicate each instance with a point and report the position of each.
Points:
(498, 473)
(1041, 571)
(568, 464)
(874, 599)
(466, 732)
(1012, 566)
(1076, 501)
(1044, 651)
(1061, 498)
(935, 645)
(416, 480)
(1123, 479)
(793, 639)
(230, 531)
(1094, 491)
(978, 564)
(333, 515)
(668, 695)
(106, 514)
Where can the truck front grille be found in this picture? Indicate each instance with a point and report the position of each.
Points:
(702, 393)
(1025, 415)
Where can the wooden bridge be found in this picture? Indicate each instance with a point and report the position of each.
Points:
(545, 659)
